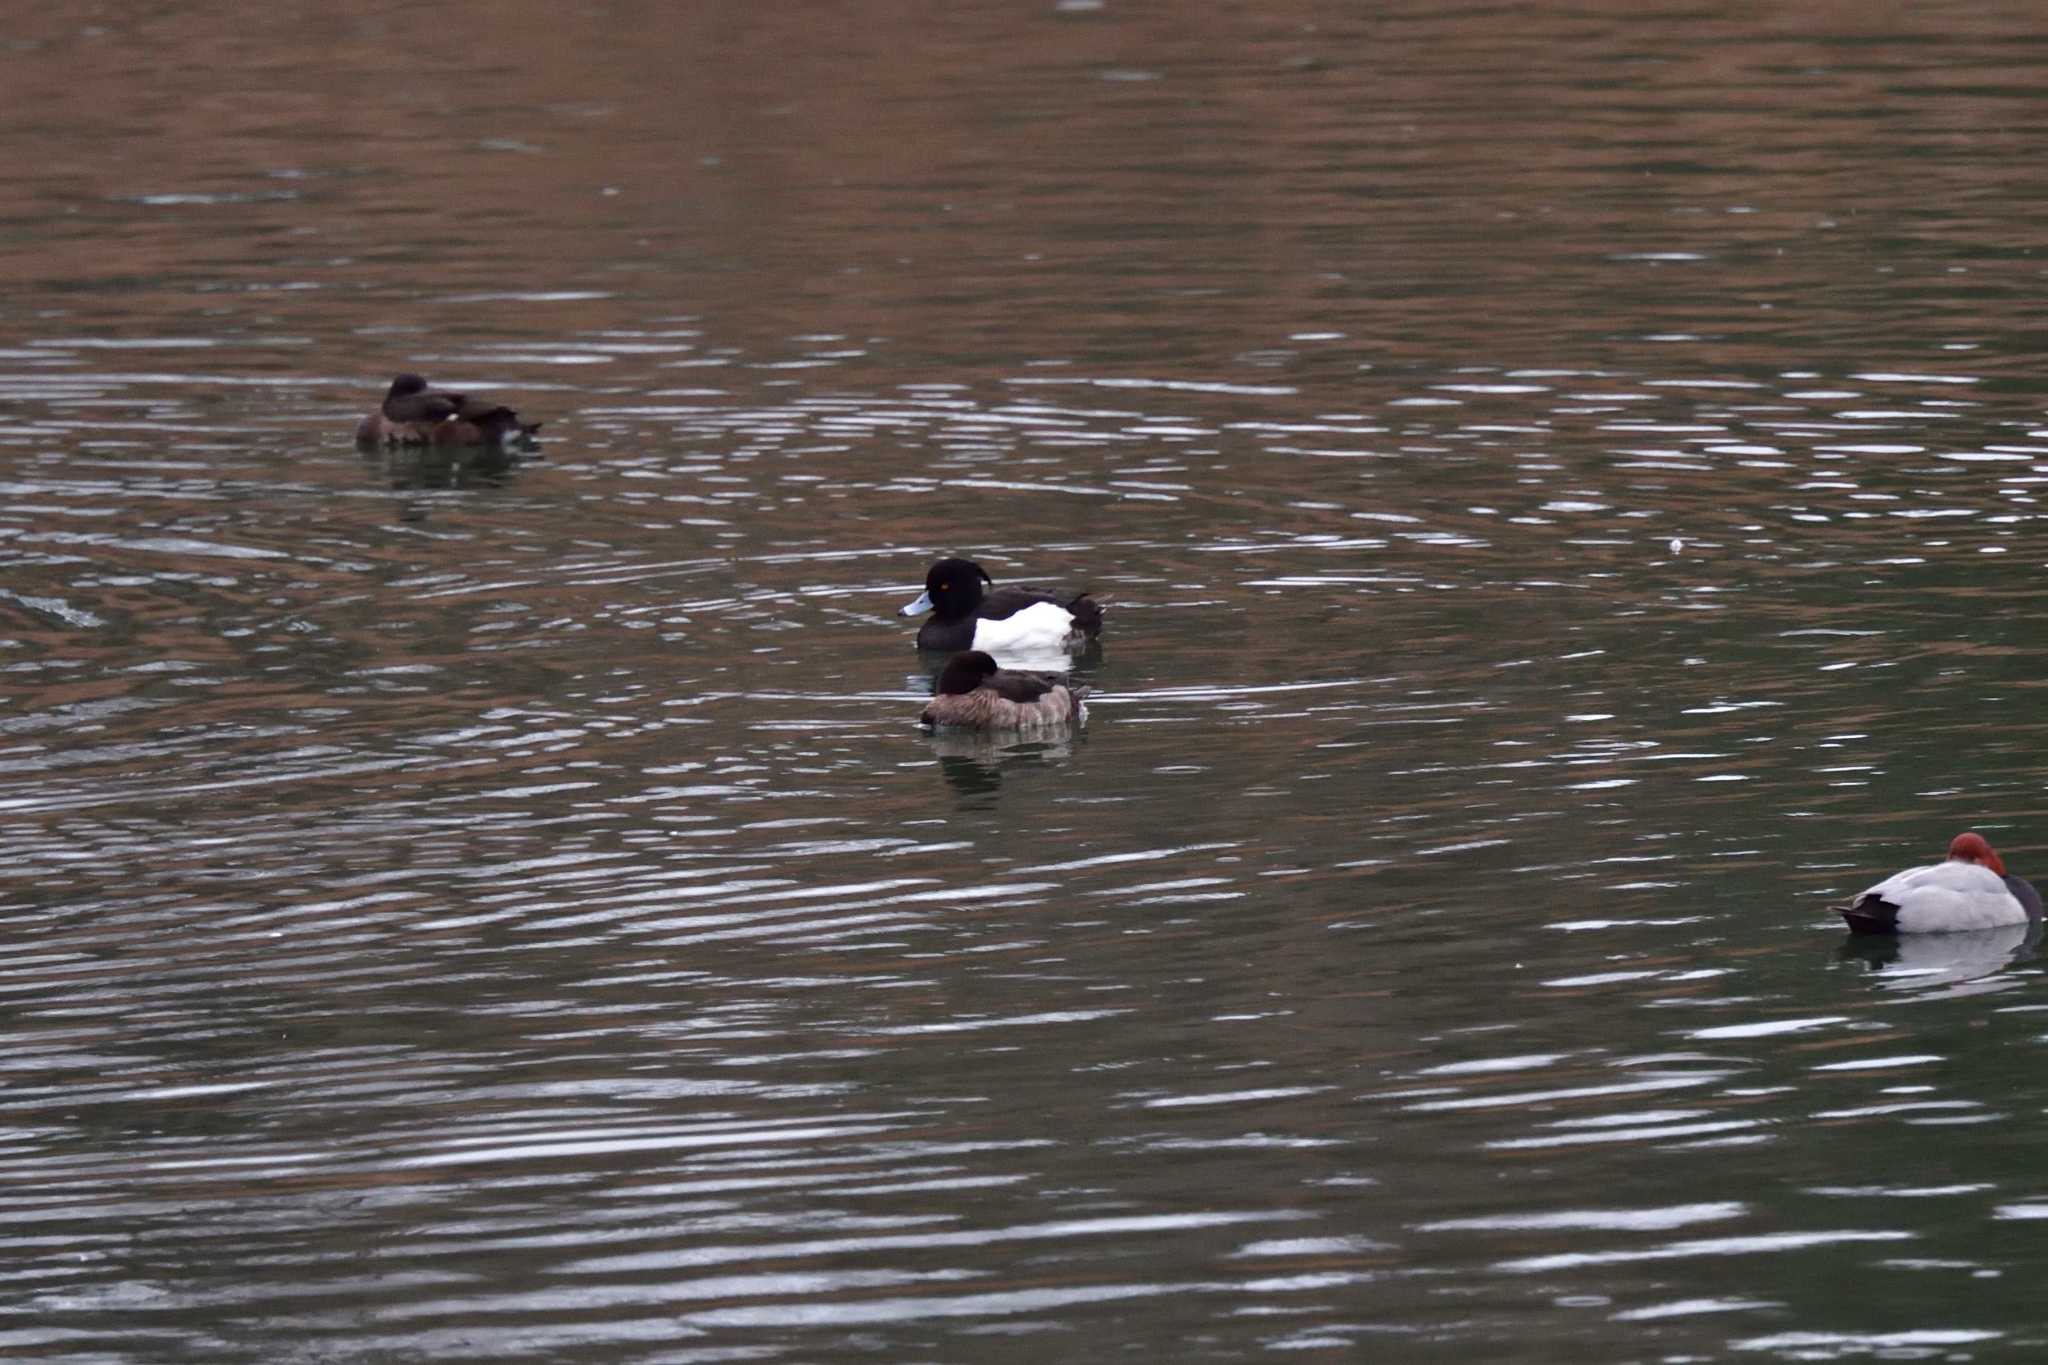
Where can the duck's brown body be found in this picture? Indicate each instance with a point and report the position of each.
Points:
(412, 414)
(972, 693)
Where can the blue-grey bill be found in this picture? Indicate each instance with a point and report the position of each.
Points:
(922, 605)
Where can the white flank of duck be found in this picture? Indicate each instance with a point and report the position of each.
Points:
(1041, 628)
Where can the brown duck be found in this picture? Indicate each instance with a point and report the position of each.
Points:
(973, 693)
(415, 414)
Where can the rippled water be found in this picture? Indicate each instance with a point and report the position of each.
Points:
(1565, 486)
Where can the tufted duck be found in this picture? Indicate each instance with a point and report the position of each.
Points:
(1008, 619)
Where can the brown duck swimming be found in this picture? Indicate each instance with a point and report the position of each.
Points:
(415, 414)
(973, 693)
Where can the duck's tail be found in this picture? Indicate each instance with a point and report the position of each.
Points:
(500, 425)
(1087, 614)
(1870, 915)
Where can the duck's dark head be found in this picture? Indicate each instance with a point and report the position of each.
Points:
(952, 588)
(405, 386)
(964, 672)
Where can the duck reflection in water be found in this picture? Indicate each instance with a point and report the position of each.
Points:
(443, 466)
(974, 762)
(1925, 962)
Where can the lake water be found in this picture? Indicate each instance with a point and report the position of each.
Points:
(1566, 485)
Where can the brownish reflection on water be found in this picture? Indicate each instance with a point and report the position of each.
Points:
(1564, 481)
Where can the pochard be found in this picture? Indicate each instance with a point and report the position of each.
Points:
(1970, 890)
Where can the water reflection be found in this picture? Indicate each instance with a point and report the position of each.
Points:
(408, 467)
(1928, 962)
(975, 763)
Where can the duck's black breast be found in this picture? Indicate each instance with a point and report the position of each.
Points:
(955, 634)
(2023, 891)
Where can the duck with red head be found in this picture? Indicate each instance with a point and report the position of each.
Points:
(1970, 890)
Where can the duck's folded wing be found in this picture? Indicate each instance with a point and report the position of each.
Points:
(1016, 686)
(428, 405)
(1005, 602)
(486, 413)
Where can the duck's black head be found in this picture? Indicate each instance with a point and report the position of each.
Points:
(964, 672)
(952, 590)
(406, 385)
(954, 586)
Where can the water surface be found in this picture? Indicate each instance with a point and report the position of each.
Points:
(1565, 486)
